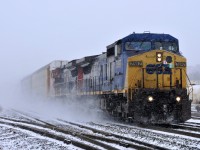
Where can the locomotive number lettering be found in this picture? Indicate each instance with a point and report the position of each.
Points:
(180, 64)
(135, 64)
(158, 69)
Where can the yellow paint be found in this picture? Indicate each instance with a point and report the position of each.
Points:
(134, 73)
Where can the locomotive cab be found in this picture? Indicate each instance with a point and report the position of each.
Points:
(157, 83)
(149, 84)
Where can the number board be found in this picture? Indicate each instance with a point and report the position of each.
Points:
(135, 64)
(180, 64)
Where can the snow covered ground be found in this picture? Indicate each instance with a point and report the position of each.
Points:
(15, 138)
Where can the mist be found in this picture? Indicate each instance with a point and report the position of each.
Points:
(13, 97)
(194, 73)
(69, 109)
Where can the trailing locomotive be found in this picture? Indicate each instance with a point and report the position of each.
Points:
(140, 77)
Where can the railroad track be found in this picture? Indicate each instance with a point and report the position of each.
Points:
(182, 129)
(104, 136)
(127, 142)
(192, 124)
(172, 128)
(153, 134)
(84, 136)
(196, 118)
(26, 126)
(98, 138)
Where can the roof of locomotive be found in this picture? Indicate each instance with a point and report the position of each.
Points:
(149, 37)
(146, 37)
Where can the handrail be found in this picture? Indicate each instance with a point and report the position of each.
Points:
(190, 90)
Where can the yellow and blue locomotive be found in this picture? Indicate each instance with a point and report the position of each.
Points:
(141, 76)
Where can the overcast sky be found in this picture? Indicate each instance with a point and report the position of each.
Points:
(36, 32)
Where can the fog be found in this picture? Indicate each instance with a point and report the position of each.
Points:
(13, 98)
(34, 33)
(84, 110)
(194, 73)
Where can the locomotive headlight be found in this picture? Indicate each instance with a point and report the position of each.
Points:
(158, 57)
(150, 98)
(178, 98)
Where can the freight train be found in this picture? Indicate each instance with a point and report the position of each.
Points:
(141, 77)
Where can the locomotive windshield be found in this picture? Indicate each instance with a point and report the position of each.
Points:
(138, 45)
(169, 46)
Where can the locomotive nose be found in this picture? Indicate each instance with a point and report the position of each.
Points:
(153, 69)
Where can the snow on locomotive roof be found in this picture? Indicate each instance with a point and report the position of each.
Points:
(146, 37)
(150, 37)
